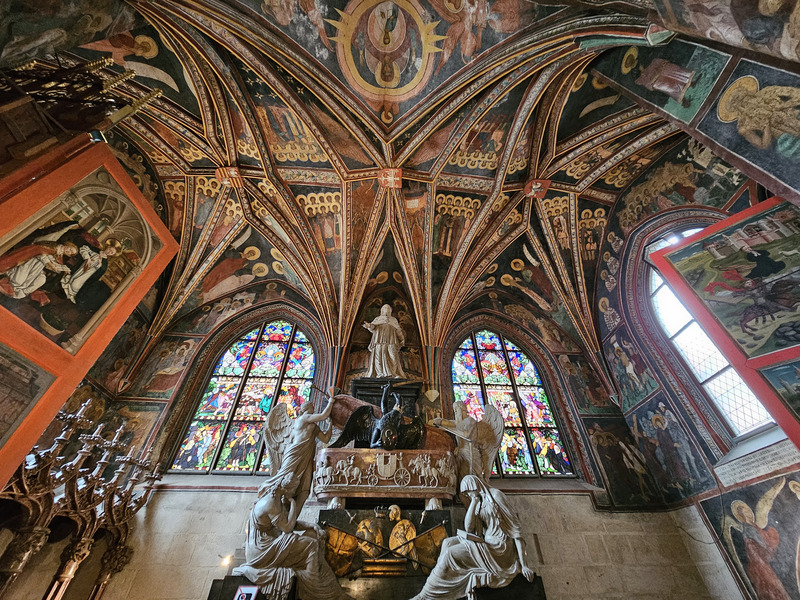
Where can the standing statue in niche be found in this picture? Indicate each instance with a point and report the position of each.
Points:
(477, 442)
(490, 551)
(274, 551)
(292, 446)
(384, 348)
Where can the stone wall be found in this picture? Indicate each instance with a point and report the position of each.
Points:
(182, 536)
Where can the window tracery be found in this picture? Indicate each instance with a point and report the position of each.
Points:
(224, 434)
(487, 367)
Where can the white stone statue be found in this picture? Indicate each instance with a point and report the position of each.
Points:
(384, 348)
(292, 446)
(490, 551)
(274, 551)
(477, 441)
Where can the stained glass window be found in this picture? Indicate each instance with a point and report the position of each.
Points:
(489, 369)
(224, 435)
(735, 402)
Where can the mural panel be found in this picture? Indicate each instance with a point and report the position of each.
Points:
(770, 27)
(22, 384)
(756, 118)
(630, 370)
(163, 368)
(626, 470)
(745, 275)
(761, 534)
(785, 381)
(61, 270)
(676, 78)
(674, 460)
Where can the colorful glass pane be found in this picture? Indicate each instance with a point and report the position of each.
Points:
(523, 369)
(467, 343)
(251, 336)
(217, 399)
(268, 359)
(494, 368)
(536, 407)
(239, 450)
(256, 399)
(278, 331)
(198, 446)
(294, 393)
(472, 397)
(514, 454)
(465, 368)
(301, 361)
(487, 340)
(550, 453)
(234, 361)
(299, 336)
(263, 464)
(503, 401)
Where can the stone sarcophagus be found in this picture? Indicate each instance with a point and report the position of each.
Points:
(369, 473)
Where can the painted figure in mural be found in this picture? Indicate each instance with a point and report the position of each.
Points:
(274, 551)
(765, 117)
(292, 445)
(668, 78)
(477, 442)
(384, 348)
(610, 315)
(80, 284)
(489, 553)
(25, 269)
(761, 542)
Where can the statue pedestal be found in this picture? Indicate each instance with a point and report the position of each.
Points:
(369, 389)
(237, 587)
(518, 588)
(375, 473)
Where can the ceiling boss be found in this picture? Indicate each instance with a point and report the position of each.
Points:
(385, 50)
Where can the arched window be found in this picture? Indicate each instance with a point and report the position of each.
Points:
(488, 367)
(735, 403)
(225, 433)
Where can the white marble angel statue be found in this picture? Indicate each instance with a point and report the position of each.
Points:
(274, 551)
(489, 552)
(477, 441)
(292, 446)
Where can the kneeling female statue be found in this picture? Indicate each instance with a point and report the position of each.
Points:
(490, 553)
(274, 551)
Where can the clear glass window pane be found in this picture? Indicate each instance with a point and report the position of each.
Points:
(743, 410)
(670, 311)
(700, 352)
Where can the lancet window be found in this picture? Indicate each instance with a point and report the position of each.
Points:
(730, 395)
(488, 368)
(224, 434)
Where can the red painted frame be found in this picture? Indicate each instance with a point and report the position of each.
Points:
(744, 365)
(22, 194)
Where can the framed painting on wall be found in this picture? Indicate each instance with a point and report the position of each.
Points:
(740, 278)
(79, 248)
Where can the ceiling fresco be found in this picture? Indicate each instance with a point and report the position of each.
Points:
(445, 154)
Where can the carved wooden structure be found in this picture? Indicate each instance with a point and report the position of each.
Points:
(52, 482)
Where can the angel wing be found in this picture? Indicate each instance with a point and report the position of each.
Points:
(278, 431)
(490, 437)
(144, 70)
(728, 524)
(765, 503)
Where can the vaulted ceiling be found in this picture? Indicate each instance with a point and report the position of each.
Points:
(451, 151)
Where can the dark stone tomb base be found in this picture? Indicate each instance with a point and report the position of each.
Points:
(369, 390)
